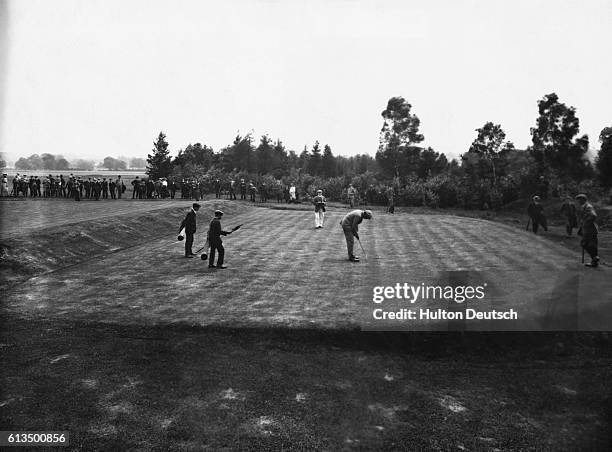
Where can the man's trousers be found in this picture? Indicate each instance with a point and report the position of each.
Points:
(350, 240)
(218, 246)
(188, 243)
(589, 243)
(319, 217)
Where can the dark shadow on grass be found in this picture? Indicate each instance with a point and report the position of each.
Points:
(495, 346)
(150, 387)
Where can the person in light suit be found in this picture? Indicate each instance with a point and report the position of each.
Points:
(319, 203)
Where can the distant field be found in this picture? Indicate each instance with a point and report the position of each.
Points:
(137, 347)
(101, 173)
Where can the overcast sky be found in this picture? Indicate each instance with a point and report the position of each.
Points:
(97, 78)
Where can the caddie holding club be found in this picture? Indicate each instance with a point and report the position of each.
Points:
(350, 226)
(588, 229)
(319, 203)
(214, 239)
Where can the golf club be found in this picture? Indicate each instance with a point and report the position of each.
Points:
(204, 256)
(364, 253)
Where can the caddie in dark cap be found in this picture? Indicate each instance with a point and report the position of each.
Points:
(588, 229)
(350, 226)
(189, 223)
(214, 239)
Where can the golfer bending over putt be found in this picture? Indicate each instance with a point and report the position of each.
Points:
(350, 226)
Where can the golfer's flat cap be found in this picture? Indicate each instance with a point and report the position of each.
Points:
(581, 196)
(196, 205)
(218, 212)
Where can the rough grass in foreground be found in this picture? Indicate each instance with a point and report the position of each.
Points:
(159, 388)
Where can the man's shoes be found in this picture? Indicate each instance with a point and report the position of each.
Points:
(221, 266)
(211, 266)
(354, 258)
(594, 263)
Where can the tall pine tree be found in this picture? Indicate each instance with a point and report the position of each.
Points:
(314, 162)
(328, 162)
(398, 137)
(159, 163)
(556, 144)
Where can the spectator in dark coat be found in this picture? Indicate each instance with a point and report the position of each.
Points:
(535, 210)
(568, 210)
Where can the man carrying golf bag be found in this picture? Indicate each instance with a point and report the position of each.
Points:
(350, 226)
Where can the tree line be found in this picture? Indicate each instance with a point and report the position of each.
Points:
(491, 173)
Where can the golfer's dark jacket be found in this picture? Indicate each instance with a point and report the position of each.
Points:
(215, 232)
(189, 223)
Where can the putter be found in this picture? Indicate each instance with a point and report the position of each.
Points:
(364, 253)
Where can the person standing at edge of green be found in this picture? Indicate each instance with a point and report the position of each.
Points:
(535, 210)
(568, 210)
(351, 193)
(588, 229)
